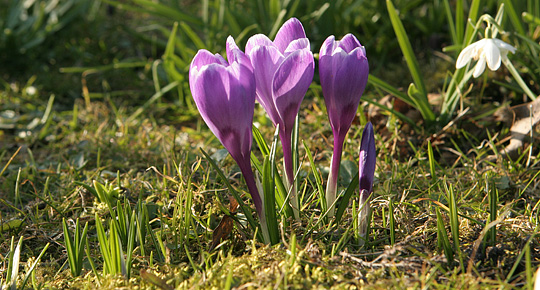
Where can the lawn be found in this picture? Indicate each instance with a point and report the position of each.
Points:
(111, 177)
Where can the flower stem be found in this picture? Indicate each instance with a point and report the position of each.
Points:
(363, 216)
(518, 78)
(285, 136)
(331, 186)
(245, 167)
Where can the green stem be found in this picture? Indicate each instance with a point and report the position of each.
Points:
(518, 78)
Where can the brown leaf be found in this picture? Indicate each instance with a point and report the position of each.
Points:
(155, 280)
(525, 117)
(233, 204)
(223, 230)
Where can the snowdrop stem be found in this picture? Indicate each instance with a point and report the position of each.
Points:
(331, 185)
(286, 143)
(518, 78)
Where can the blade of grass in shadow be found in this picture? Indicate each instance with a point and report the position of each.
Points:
(152, 99)
(269, 193)
(75, 246)
(398, 114)
(431, 159)
(33, 267)
(517, 263)
(318, 180)
(472, 17)
(151, 7)
(514, 18)
(420, 99)
(281, 192)
(377, 82)
(344, 201)
(454, 220)
(460, 22)
(451, 24)
(443, 242)
(245, 209)
(391, 222)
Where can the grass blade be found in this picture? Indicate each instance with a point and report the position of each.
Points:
(406, 49)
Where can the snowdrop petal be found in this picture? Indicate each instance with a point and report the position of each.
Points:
(503, 46)
(465, 56)
(492, 55)
(480, 67)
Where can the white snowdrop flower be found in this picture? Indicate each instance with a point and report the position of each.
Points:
(488, 50)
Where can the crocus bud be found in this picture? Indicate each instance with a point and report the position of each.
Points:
(366, 172)
(283, 71)
(224, 93)
(343, 70)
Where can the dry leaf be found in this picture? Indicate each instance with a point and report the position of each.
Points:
(223, 230)
(225, 227)
(524, 118)
(155, 280)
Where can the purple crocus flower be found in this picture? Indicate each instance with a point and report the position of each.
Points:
(283, 71)
(366, 172)
(224, 93)
(343, 69)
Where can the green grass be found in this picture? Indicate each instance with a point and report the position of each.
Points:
(120, 162)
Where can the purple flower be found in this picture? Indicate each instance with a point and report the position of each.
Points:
(343, 70)
(366, 172)
(368, 157)
(283, 71)
(224, 93)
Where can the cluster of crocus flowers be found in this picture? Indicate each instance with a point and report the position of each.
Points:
(278, 74)
(344, 70)
(283, 71)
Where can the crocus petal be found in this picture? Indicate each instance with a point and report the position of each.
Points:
(328, 46)
(301, 43)
(265, 61)
(257, 40)
(492, 54)
(234, 54)
(349, 42)
(228, 116)
(368, 158)
(289, 31)
(343, 80)
(480, 67)
(204, 57)
(291, 82)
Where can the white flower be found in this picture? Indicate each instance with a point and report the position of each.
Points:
(487, 50)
